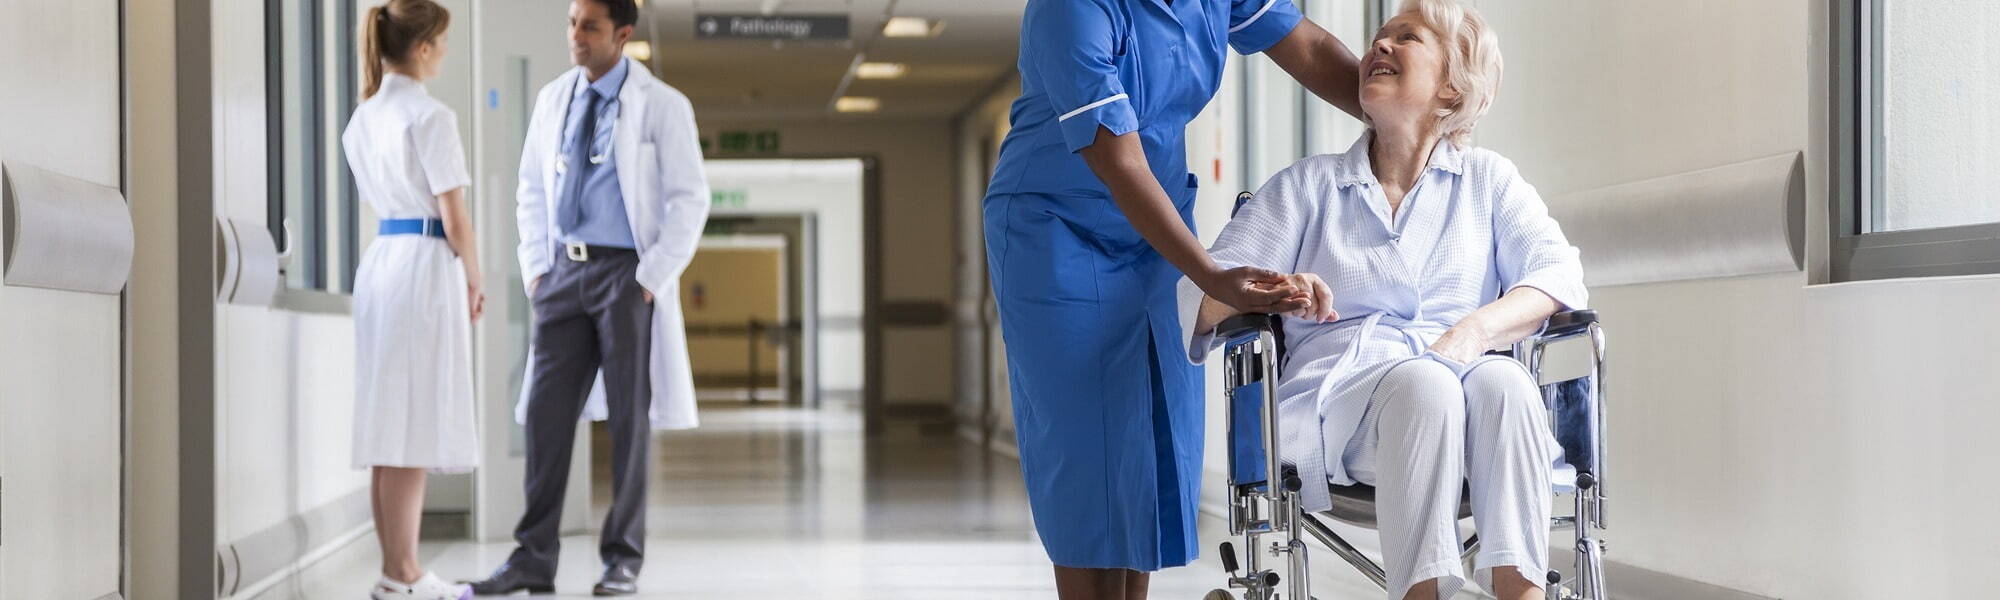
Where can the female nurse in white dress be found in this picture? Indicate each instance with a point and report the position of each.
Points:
(1421, 252)
(417, 292)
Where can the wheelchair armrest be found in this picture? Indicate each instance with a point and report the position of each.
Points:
(1569, 321)
(1247, 324)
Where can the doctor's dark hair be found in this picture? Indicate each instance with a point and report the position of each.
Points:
(624, 13)
(392, 31)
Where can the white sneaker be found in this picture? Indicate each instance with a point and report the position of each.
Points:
(429, 587)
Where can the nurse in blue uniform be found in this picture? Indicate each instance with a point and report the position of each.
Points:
(1088, 226)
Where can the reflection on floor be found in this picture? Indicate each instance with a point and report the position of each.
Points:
(779, 503)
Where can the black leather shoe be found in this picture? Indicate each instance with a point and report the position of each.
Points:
(617, 581)
(507, 580)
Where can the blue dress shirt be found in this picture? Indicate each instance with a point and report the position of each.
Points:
(603, 221)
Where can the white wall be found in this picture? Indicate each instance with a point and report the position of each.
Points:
(60, 370)
(1786, 439)
(830, 190)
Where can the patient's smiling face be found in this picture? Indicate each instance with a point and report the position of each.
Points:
(1403, 79)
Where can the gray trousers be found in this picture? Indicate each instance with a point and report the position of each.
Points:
(587, 315)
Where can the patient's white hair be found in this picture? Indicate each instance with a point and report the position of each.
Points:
(1472, 62)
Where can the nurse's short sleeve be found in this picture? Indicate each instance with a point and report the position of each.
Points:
(1073, 49)
(1256, 25)
(438, 151)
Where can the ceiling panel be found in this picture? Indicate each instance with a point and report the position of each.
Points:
(739, 79)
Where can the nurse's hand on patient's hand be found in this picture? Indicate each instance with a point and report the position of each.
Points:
(1317, 295)
(1253, 290)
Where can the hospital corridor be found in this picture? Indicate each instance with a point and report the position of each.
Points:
(999, 299)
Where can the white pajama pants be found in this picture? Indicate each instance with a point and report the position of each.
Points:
(1427, 429)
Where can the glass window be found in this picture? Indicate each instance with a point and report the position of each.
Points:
(1281, 121)
(1915, 134)
(1379, 12)
(1936, 130)
(1327, 128)
(311, 89)
(1273, 120)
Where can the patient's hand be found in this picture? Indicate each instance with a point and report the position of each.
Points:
(1317, 298)
(1460, 343)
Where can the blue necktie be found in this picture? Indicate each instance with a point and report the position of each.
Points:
(578, 159)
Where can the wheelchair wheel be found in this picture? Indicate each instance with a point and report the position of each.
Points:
(1218, 595)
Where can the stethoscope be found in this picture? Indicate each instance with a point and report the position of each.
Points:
(598, 156)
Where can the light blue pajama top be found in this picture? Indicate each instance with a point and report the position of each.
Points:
(1470, 230)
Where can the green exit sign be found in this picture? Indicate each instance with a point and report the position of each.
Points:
(745, 142)
(729, 198)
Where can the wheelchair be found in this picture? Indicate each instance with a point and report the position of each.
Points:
(1265, 501)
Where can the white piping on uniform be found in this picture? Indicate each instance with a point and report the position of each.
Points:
(1087, 107)
(1253, 18)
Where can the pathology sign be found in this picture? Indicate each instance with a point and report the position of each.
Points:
(770, 27)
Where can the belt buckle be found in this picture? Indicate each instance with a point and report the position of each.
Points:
(577, 251)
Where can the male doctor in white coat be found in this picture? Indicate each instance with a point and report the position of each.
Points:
(612, 202)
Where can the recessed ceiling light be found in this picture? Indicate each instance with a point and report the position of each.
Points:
(907, 27)
(880, 70)
(851, 104)
(639, 50)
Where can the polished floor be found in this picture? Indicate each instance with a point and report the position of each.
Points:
(783, 503)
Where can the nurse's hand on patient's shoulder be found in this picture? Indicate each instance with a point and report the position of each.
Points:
(1252, 290)
(1317, 295)
(534, 283)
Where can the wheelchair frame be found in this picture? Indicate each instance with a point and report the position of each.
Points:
(1270, 506)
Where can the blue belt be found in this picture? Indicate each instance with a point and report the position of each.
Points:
(428, 227)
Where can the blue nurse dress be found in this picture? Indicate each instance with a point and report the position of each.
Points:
(1107, 410)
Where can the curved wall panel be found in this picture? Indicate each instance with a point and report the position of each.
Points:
(1741, 219)
(64, 233)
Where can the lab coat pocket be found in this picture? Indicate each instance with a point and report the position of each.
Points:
(644, 207)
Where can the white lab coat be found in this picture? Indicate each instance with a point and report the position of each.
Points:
(658, 155)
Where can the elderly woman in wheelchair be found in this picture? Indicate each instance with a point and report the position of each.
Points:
(1421, 254)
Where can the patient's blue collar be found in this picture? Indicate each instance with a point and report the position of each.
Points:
(1354, 168)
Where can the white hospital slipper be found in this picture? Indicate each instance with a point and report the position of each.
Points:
(429, 587)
